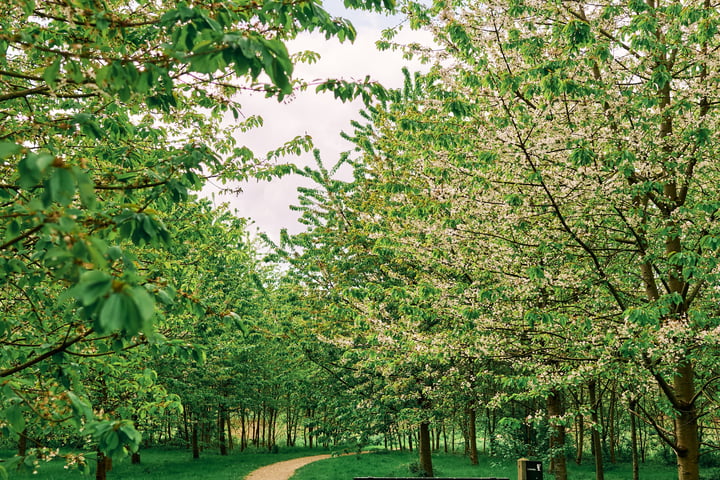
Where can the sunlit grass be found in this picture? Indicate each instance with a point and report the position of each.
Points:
(402, 464)
(178, 464)
(166, 464)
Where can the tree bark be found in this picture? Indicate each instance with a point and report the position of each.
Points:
(558, 465)
(686, 424)
(22, 443)
(424, 449)
(612, 435)
(195, 443)
(221, 430)
(634, 442)
(596, 440)
(243, 430)
(472, 436)
(104, 465)
(579, 437)
(228, 423)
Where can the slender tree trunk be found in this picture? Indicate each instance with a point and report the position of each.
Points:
(22, 443)
(611, 414)
(288, 423)
(310, 415)
(596, 441)
(230, 439)
(243, 438)
(195, 443)
(445, 438)
(579, 437)
(221, 430)
(104, 465)
(452, 437)
(472, 435)
(686, 424)
(424, 449)
(558, 465)
(490, 431)
(186, 427)
(271, 427)
(634, 442)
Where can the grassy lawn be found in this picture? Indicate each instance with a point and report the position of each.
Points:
(399, 464)
(170, 464)
(177, 464)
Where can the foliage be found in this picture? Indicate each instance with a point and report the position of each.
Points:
(542, 197)
(111, 113)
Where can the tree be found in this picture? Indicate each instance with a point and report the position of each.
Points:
(569, 147)
(111, 113)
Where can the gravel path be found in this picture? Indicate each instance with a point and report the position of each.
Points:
(283, 470)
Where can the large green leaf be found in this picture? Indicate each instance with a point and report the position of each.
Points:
(93, 285)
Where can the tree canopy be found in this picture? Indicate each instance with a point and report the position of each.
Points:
(112, 113)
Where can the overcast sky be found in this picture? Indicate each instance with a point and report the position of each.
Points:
(267, 204)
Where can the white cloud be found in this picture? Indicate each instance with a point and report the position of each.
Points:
(319, 115)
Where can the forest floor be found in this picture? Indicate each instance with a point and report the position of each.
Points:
(283, 470)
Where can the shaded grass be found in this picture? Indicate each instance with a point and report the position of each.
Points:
(399, 464)
(167, 464)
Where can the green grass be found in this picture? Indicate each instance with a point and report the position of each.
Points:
(177, 464)
(170, 464)
(398, 464)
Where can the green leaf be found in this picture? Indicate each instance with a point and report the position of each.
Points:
(115, 313)
(61, 186)
(50, 74)
(86, 189)
(32, 168)
(81, 407)
(93, 285)
(143, 301)
(7, 149)
(111, 441)
(15, 418)
(132, 436)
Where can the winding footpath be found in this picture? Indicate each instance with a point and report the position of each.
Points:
(283, 470)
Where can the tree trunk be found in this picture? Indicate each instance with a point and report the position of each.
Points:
(186, 427)
(634, 442)
(452, 437)
(472, 436)
(104, 465)
(424, 449)
(256, 428)
(490, 431)
(243, 431)
(221, 430)
(611, 414)
(135, 458)
(686, 424)
(195, 442)
(22, 443)
(558, 465)
(228, 423)
(579, 437)
(445, 438)
(596, 441)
